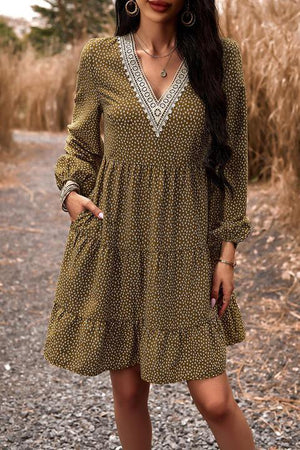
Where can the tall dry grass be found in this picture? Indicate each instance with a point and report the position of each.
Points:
(44, 90)
(8, 73)
(268, 34)
(37, 93)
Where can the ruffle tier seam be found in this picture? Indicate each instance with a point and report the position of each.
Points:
(190, 164)
(61, 310)
(118, 248)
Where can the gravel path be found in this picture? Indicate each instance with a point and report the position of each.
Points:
(44, 407)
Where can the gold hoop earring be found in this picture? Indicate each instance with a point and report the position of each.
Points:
(136, 8)
(187, 17)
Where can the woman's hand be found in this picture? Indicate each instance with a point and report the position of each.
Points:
(77, 203)
(223, 285)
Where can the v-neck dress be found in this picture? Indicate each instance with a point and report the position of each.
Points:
(135, 286)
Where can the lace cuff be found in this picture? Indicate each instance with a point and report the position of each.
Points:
(68, 187)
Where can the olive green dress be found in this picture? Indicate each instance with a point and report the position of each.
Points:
(134, 287)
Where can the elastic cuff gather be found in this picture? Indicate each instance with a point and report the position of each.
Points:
(235, 232)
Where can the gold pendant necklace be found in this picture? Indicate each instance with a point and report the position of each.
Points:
(163, 72)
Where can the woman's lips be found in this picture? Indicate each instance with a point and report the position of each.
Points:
(159, 6)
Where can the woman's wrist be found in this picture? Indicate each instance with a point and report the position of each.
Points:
(67, 188)
(227, 254)
(227, 250)
(226, 261)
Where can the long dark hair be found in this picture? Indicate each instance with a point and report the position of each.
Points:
(202, 49)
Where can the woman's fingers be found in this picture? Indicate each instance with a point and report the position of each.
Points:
(78, 203)
(215, 291)
(221, 291)
(227, 291)
(94, 209)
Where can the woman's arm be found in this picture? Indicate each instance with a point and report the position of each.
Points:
(234, 225)
(84, 146)
(228, 222)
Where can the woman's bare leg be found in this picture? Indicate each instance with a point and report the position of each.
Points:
(214, 399)
(130, 394)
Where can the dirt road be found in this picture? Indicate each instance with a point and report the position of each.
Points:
(44, 407)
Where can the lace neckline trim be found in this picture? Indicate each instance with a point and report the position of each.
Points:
(157, 110)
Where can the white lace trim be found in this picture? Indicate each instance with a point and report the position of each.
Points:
(157, 111)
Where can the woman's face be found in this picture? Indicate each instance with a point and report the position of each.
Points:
(160, 10)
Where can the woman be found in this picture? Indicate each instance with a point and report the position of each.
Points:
(146, 283)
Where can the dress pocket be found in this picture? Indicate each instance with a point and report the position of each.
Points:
(79, 216)
(87, 226)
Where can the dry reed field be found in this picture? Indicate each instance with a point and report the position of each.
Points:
(268, 33)
(41, 95)
(37, 93)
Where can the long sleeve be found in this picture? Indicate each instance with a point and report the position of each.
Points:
(84, 145)
(227, 218)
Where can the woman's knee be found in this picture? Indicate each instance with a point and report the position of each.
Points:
(215, 408)
(130, 398)
(213, 397)
(129, 390)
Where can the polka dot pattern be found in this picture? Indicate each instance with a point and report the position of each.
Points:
(135, 286)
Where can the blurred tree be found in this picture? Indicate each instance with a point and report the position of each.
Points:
(8, 38)
(68, 21)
